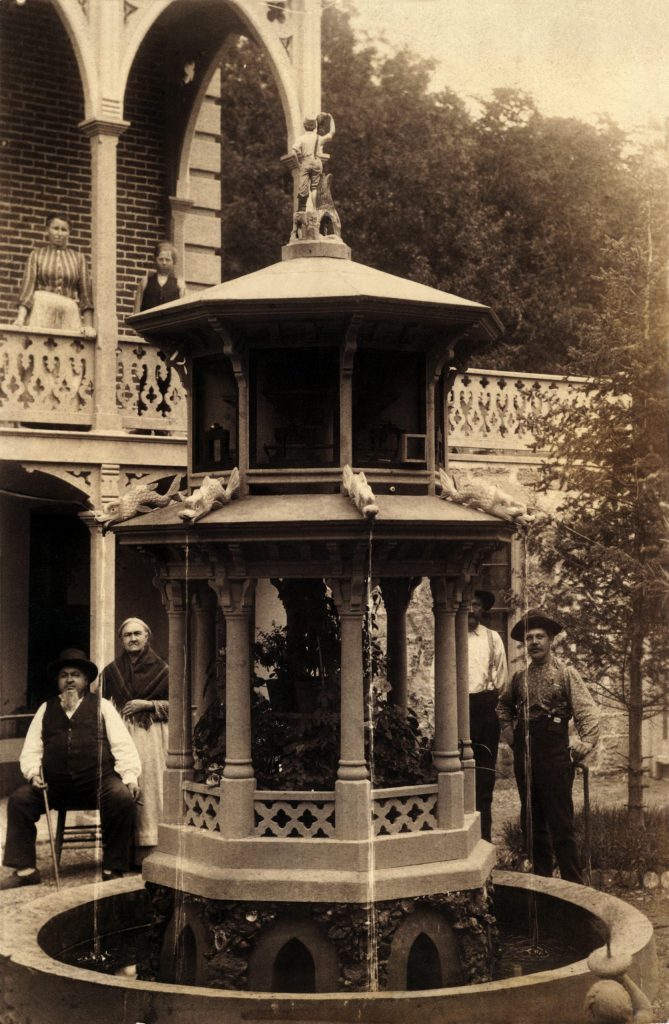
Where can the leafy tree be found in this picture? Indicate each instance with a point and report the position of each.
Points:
(510, 208)
(609, 455)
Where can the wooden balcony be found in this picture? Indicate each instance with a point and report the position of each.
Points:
(48, 381)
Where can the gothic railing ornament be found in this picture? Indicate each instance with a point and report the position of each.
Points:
(135, 501)
(361, 494)
(211, 494)
(484, 496)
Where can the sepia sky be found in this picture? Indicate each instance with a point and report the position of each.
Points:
(577, 58)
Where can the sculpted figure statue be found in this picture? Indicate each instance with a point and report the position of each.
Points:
(308, 149)
(160, 285)
(56, 290)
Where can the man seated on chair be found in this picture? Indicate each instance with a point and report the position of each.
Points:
(78, 749)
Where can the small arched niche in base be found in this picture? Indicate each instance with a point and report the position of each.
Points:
(424, 954)
(182, 951)
(294, 956)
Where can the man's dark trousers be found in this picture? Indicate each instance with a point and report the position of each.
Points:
(484, 731)
(551, 805)
(117, 814)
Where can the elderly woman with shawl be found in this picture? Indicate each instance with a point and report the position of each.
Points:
(137, 684)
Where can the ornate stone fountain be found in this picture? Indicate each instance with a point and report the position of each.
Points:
(317, 451)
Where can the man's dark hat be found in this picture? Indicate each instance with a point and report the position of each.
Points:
(486, 597)
(73, 656)
(535, 618)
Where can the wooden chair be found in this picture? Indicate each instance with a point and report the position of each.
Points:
(76, 835)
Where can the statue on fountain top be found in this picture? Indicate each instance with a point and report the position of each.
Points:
(316, 218)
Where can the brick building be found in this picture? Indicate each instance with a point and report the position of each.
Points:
(111, 114)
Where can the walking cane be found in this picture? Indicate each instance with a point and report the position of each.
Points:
(51, 842)
(587, 838)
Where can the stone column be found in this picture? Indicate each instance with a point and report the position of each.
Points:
(104, 137)
(396, 597)
(446, 756)
(462, 661)
(102, 594)
(238, 782)
(352, 789)
(203, 654)
(179, 761)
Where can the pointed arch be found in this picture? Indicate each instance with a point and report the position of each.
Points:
(252, 18)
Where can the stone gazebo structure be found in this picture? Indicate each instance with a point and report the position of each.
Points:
(296, 373)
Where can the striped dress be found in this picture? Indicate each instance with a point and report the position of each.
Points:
(56, 287)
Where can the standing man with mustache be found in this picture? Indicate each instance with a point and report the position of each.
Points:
(534, 710)
(77, 748)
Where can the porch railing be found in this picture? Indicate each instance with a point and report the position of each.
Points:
(488, 409)
(48, 378)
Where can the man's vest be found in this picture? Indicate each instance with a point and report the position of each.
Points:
(76, 749)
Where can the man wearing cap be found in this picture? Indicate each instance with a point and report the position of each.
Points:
(534, 712)
(308, 149)
(78, 748)
(487, 676)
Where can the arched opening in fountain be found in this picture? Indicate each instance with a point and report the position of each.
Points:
(294, 969)
(185, 957)
(423, 965)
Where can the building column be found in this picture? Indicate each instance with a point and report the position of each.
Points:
(353, 788)
(179, 760)
(203, 653)
(396, 597)
(238, 782)
(446, 755)
(102, 593)
(462, 663)
(104, 137)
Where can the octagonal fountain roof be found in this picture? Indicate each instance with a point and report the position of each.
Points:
(320, 284)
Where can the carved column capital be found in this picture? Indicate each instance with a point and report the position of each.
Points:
(349, 595)
(446, 592)
(234, 596)
(397, 591)
(174, 595)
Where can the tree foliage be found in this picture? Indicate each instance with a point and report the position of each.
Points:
(507, 207)
(604, 550)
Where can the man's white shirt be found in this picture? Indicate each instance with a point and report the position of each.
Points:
(126, 759)
(487, 660)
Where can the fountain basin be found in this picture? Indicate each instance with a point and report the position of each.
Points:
(39, 988)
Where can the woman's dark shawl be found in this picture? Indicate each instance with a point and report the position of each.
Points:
(147, 678)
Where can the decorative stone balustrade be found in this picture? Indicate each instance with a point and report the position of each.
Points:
(405, 809)
(488, 409)
(149, 393)
(46, 377)
(201, 806)
(311, 815)
(294, 815)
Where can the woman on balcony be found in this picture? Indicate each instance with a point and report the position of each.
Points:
(56, 291)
